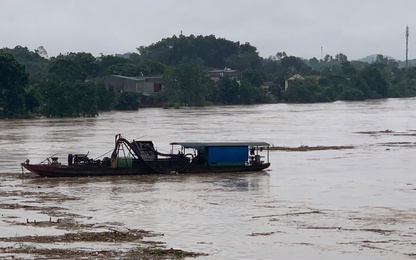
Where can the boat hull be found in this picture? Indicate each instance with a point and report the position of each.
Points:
(48, 170)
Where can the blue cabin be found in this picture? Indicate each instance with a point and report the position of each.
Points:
(225, 153)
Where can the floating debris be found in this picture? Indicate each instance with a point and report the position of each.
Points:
(261, 234)
(399, 144)
(387, 131)
(407, 133)
(150, 250)
(291, 214)
(305, 148)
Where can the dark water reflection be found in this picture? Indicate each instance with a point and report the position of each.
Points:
(322, 204)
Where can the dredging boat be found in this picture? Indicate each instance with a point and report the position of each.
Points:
(141, 157)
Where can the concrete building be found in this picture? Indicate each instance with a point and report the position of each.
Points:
(141, 85)
(293, 78)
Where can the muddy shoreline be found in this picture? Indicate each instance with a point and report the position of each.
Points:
(79, 240)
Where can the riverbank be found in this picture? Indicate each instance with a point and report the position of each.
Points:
(36, 225)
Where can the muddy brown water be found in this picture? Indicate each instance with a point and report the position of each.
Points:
(326, 204)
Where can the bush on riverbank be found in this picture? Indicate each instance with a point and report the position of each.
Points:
(68, 85)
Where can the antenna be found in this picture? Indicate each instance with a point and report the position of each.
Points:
(322, 51)
(407, 46)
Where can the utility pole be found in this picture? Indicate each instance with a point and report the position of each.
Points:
(407, 47)
(322, 51)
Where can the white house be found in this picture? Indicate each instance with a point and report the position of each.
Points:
(294, 77)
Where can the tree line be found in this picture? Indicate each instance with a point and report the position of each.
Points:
(70, 85)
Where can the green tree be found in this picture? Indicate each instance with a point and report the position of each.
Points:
(352, 94)
(106, 97)
(281, 55)
(377, 83)
(13, 80)
(348, 69)
(405, 88)
(341, 58)
(271, 68)
(404, 83)
(276, 90)
(110, 64)
(125, 69)
(68, 99)
(32, 99)
(151, 67)
(253, 77)
(127, 101)
(214, 52)
(228, 91)
(66, 69)
(247, 57)
(299, 92)
(233, 91)
(187, 85)
(87, 62)
(35, 64)
(249, 94)
(85, 99)
(293, 65)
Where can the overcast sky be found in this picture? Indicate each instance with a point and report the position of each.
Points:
(356, 28)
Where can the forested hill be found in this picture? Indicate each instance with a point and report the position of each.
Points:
(210, 51)
(31, 84)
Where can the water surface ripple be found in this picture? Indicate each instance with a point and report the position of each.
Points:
(343, 204)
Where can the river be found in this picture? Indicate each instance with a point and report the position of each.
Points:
(326, 204)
